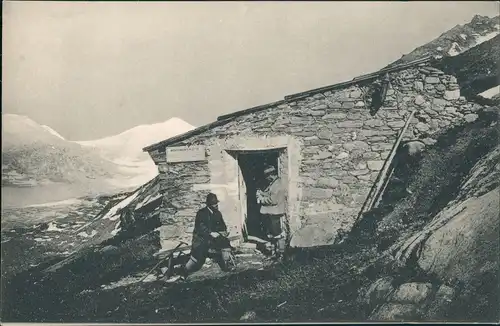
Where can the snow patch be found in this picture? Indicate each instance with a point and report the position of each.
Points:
(113, 215)
(53, 227)
(53, 132)
(491, 92)
(85, 235)
(483, 38)
(42, 240)
(463, 36)
(116, 229)
(149, 199)
(439, 48)
(454, 50)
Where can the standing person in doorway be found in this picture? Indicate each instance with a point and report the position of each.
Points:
(210, 232)
(272, 210)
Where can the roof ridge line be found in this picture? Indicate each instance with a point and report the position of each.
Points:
(358, 79)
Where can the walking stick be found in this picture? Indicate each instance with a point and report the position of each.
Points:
(171, 255)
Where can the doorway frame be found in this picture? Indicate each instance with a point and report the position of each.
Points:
(282, 152)
(224, 170)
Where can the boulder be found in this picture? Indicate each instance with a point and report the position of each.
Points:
(467, 245)
(395, 312)
(412, 292)
(471, 117)
(414, 147)
(429, 141)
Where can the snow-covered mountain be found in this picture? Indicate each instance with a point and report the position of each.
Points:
(126, 147)
(39, 165)
(457, 40)
(18, 130)
(37, 155)
(34, 155)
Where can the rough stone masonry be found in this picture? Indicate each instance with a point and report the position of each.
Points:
(336, 150)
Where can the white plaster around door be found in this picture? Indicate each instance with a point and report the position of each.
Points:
(290, 160)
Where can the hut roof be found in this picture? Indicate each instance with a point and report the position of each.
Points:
(221, 120)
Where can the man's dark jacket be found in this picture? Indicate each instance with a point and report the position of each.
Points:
(206, 221)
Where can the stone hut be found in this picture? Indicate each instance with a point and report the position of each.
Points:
(328, 144)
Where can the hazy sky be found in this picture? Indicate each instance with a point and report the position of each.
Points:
(90, 70)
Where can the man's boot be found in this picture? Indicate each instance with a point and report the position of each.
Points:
(280, 248)
(177, 274)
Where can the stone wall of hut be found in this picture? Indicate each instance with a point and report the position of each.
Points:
(337, 149)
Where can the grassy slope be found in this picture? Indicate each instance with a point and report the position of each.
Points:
(436, 179)
(317, 284)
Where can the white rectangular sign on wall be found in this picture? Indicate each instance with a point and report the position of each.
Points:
(186, 154)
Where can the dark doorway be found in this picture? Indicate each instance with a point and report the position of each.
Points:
(252, 165)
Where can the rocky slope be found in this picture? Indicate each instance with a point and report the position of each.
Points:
(457, 40)
(38, 234)
(443, 237)
(476, 69)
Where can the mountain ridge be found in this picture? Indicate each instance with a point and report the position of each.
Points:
(36, 160)
(456, 40)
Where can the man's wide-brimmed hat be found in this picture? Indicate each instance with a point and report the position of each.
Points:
(269, 170)
(212, 199)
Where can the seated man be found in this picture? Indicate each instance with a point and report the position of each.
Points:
(210, 232)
